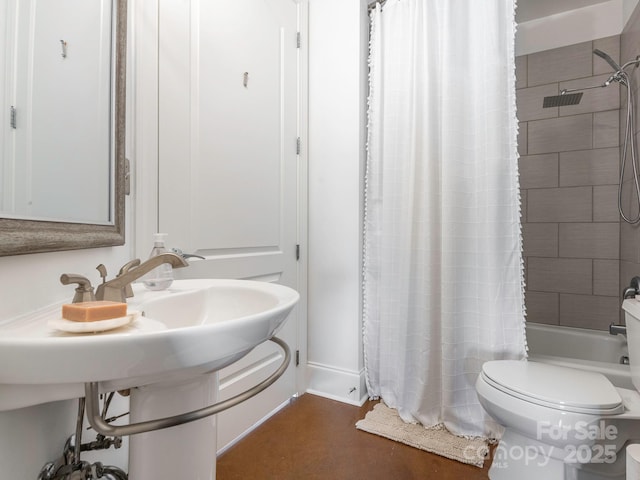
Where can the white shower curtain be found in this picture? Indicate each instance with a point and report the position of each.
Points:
(443, 289)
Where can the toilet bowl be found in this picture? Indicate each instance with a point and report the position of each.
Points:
(562, 423)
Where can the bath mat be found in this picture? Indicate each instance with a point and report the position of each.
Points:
(386, 422)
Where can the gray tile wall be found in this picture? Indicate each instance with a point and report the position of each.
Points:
(569, 169)
(629, 234)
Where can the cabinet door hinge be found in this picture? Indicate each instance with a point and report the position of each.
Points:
(298, 252)
(298, 146)
(297, 357)
(12, 117)
(298, 40)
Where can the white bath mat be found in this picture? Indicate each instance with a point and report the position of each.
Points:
(386, 422)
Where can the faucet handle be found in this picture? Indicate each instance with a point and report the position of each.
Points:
(128, 266)
(633, 289)
(128, 291)
(102, 270)
(84, 290)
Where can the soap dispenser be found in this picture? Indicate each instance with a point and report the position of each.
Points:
(161, 277)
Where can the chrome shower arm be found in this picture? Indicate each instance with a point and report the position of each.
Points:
(570, 90)
(618, 76)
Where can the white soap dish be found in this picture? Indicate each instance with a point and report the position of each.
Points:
(69, 326)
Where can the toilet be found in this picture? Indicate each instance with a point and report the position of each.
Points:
(562, 423)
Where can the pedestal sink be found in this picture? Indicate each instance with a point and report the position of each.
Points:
(184, 334)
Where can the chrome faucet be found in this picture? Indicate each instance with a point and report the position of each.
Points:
(617, 329)
(117, 288)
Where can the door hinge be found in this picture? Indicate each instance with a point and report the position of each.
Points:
(127, 177)
(12, 117)
(298, 146)
(298, 252)
(298, 40)
(297, 357)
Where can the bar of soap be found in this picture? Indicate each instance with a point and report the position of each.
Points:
(93, 311)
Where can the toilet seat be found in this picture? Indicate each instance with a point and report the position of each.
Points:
(553, 386)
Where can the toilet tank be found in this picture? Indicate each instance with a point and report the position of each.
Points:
(631, 308)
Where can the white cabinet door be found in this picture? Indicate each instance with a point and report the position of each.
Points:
(228, 109)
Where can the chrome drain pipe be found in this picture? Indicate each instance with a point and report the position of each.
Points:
(69, 466)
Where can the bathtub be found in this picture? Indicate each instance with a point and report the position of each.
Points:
(593, 350)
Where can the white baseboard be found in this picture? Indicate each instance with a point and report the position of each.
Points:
(346, 386)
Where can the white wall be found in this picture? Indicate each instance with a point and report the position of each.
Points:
(338, 42)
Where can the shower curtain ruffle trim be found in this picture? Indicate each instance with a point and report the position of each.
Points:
(373, 20)
(514, 148)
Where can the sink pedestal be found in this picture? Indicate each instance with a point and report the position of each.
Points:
(184, 451)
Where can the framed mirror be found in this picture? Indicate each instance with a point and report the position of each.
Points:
(63, 170)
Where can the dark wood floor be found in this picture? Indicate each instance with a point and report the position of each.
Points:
(316, 438)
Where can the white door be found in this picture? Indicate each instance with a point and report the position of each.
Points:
(228, 107)
(58, 57)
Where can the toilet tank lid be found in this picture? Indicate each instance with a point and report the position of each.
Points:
(555, 386)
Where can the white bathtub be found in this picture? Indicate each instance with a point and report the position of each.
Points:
(580, 348)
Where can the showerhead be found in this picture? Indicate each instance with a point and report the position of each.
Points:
(562, 100)
(568, 97)
(608, 59)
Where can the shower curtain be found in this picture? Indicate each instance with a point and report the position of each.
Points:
(443, 289)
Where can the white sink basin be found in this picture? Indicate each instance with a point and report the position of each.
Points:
(194, 327)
